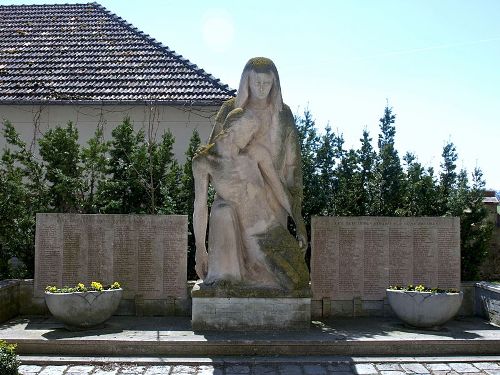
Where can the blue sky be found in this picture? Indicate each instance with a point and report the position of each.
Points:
(436, 62)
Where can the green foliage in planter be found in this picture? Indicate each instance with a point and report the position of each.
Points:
(95, 286)
(9, 364)
(421, 288)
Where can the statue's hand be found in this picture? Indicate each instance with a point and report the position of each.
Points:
(201, 260)
(302, 242)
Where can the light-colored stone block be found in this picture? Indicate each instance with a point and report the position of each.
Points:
(359, 257)
(146, 254)
(215, 313)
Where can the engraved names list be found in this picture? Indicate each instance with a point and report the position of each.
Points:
(361, 256)
(146, 254)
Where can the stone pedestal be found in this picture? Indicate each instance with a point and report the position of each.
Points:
(238, 314)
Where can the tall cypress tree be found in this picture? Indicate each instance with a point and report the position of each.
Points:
(309, 145)
(60, 152)
(95, 163)
(389, 173)
(367, 158)
(329, 152)
(447, 177)
(125, 190)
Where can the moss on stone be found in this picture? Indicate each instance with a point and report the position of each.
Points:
(260, 64)
(285, 258)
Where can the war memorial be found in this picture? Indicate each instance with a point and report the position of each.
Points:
(255, 294)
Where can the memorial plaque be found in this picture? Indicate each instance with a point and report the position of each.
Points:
(361, 256)
(147, 254)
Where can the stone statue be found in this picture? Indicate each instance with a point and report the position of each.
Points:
(252, 161)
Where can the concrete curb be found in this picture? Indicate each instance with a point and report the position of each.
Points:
(146, 361)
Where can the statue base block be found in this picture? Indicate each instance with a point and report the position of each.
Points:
(240, 314)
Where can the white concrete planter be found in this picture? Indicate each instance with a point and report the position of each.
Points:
(424, 309)
(488, 301)
(81, 310)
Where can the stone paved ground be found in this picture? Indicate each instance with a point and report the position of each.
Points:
(286, 368)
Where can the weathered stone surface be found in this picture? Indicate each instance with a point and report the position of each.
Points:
(253, 164)
(146, 254)
(461, 367)
(361, 256)
(9, 297)
(365, 369)
(250, 313)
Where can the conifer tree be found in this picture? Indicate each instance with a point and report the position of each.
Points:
(329, 151)
(125, 190)
(23, 193)
(389, 173)
(447, 177)
(60, 152)
(94, 159)
(309, 145)
(367, 158)
(421, 195)
(349, 190)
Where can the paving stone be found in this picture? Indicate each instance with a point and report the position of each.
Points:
(388, 366)
(364, 369)
(106, 370)
(445, 372)
(237, 369)
(315, 370)
(414, 368)
(492, 372)
(393, 372)
(209, 370)
(132, 370)
(290, 370)
(339, 367)
(79, 370)
(264, 370)
(463, 367)
(438, 366)
(53, 370)
(486, 365)
(29, 369)
(183, 370)
(157, 370)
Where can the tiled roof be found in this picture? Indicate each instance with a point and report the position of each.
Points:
(84, 53)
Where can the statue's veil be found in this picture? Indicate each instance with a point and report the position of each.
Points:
(260, 65)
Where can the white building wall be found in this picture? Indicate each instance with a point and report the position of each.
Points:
(31, 121)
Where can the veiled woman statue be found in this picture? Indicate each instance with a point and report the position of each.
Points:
(253, 162)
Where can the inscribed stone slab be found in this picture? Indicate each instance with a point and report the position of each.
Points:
(362, 256)
(147, 254)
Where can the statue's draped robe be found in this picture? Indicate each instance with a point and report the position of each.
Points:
(248, 240)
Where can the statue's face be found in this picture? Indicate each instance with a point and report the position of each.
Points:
(260, 84)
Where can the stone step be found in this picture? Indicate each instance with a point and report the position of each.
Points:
(42, 360)
(171, 337)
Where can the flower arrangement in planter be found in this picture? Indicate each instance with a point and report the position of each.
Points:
(82, 307)
(424, 307)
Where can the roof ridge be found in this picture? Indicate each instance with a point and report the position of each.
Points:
(163, 47)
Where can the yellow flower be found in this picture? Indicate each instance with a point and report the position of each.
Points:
(115, 285)
(51, 289)
(96, 286)
(420, 288)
